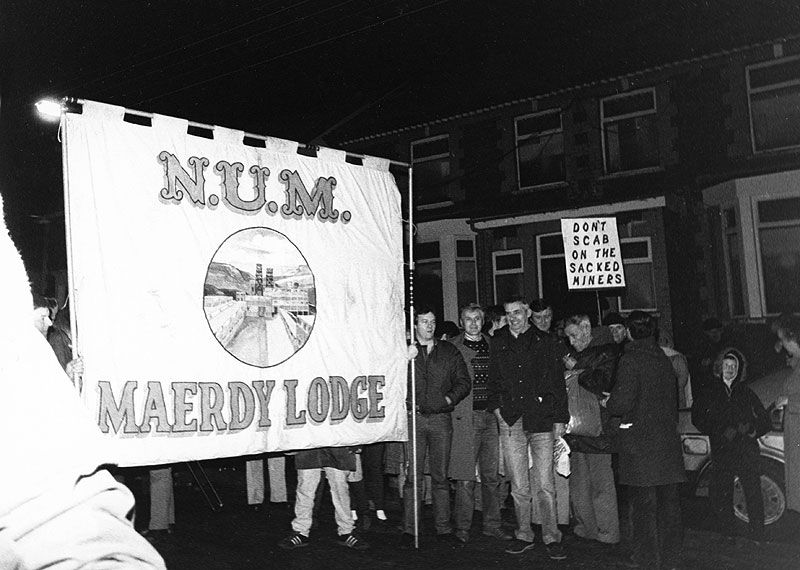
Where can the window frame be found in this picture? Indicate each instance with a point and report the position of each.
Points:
(430, 158)
(604, 120)
(771, 87)
(728, 232)
(415, 160)
(648, 259)
(758, 225)
(516, 271)
(518, 139)
(473, 259)
(540, 257)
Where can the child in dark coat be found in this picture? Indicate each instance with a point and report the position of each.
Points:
(734, 418)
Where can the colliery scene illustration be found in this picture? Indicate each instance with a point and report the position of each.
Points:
(259, 297)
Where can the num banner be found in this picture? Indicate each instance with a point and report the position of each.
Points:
(231, 299)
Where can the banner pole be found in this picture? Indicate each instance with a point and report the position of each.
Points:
(599, 309)
(71, 296)
(413, 461)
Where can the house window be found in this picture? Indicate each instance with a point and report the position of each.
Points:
(428, 276)
(540, 149)
(733, 261)
(553, 280)
(552, 272)
(779, 250)
(640, 290)
(508, 274)
(630, 136)
(466, 280)
(431, 161)
(774, 93)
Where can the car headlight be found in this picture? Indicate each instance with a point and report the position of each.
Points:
(696, 446)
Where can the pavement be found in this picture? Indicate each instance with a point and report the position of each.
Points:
(239, 537)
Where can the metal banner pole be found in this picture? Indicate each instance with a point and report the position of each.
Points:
(413, 461)
(71, 295)
(599, 309)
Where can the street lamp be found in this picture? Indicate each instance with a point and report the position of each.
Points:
(50, 110)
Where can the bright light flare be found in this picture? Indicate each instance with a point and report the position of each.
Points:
(50, 110)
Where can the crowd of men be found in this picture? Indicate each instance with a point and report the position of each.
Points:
(476, 389)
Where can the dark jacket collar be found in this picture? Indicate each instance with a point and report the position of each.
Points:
(643, 344)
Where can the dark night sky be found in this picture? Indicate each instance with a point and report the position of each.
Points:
(294, 69)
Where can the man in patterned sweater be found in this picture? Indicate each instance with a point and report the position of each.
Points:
(475, 435)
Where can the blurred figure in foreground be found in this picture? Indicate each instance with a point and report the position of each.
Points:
(58, 506)
(788, 330)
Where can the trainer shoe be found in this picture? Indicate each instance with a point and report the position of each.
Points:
(352, 541)
(498, 533)
(555, 551)
(518, 546)
(294, 540)
(462, 535)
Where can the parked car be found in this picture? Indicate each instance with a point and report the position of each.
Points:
(697, 459)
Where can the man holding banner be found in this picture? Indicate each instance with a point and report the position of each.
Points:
(442, 381)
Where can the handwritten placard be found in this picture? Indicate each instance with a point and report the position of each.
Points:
(591, 253)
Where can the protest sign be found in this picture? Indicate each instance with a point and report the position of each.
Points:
(591, 253)
(231, 298)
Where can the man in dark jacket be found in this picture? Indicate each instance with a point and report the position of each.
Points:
(733, 416)
(529, 398)
(441, 381)
(650, 456)
(592, 491)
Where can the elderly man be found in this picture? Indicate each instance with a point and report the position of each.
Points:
(475, 435)
(442, 381)
(593, 495)
(529, 398)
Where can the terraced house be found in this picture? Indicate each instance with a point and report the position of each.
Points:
(698, 160)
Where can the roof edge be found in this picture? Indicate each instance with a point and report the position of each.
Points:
(669, 65)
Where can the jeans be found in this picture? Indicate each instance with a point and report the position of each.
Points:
(594, 497)
(657, 528)
(434, 434)
(562, 500)
(487, 454)
(307, 482)
(514, 444)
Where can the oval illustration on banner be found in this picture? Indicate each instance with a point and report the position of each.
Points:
(259, 297)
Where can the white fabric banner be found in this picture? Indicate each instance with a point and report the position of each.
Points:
(232, 299)
(592, 254)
